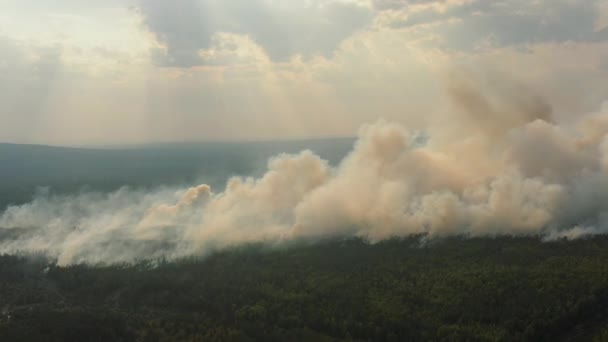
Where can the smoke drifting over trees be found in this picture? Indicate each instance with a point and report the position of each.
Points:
(502, 165)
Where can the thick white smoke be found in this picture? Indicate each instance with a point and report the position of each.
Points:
(502, 166)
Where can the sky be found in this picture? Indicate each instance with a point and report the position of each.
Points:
(103, 72)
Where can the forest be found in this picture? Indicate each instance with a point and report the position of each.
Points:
(409, 289)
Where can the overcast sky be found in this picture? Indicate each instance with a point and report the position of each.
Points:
(76, 72)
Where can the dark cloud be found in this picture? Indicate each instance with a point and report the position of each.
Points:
(507, 23)
(399, 4)
(283, 29)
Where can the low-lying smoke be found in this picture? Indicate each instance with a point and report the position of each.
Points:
(503, 167)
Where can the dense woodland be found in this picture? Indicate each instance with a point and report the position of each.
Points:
(482, 289)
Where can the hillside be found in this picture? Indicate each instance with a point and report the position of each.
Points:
(24, 168)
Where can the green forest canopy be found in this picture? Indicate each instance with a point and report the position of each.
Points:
(485, 289)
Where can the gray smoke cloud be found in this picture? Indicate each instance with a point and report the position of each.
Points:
(503, 166)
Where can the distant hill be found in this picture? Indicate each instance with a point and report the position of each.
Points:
(23, 168)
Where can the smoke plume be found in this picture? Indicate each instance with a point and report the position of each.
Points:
(503, 166)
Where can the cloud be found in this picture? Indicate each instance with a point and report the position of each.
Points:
(279, 69)
(186, 28)
(466, 25)
(282, 28)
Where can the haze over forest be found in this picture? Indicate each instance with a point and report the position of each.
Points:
(327, 170)
(461, 140)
